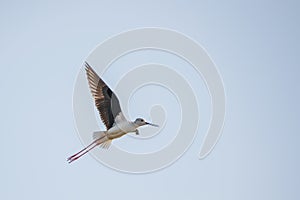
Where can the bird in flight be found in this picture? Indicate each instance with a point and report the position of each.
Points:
(111, 115)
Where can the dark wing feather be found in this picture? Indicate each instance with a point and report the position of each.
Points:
(106, 101)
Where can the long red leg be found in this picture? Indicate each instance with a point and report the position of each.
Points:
(83, 152)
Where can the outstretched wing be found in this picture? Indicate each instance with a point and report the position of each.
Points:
(106, 101)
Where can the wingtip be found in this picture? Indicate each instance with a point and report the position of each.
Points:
(87, 66)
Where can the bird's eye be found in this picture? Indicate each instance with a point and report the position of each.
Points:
(142, 120)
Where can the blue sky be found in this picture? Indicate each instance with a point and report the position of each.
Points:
(255, 45)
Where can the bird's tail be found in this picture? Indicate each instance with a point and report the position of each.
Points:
(100, 138)
(98, 134)
(103, 140)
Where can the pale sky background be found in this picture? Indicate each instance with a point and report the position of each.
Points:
(255, 45)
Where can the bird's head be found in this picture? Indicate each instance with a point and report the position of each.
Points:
(141, 122)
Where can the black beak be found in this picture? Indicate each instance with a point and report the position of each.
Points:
(152, 124)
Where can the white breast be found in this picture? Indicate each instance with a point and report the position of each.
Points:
(121, 128)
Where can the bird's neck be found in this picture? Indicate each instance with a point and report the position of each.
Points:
(134, 124)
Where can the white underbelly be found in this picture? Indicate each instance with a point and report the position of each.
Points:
(120, 129)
